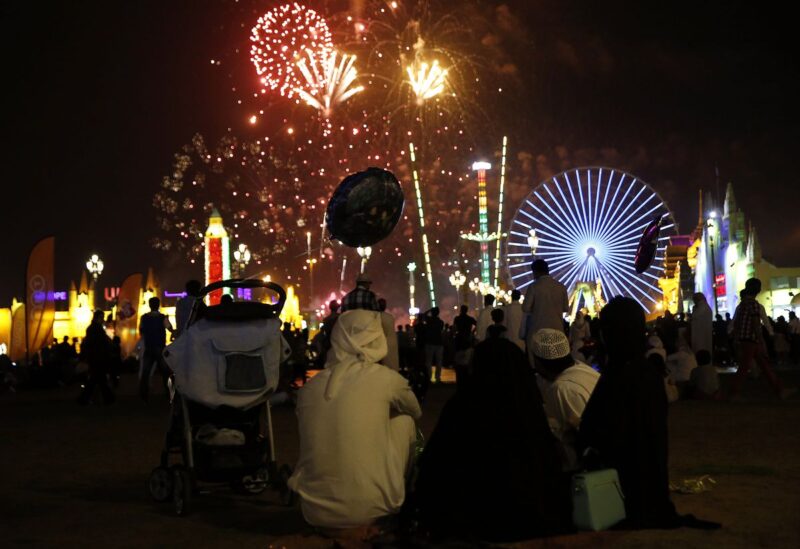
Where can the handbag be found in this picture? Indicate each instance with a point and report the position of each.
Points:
(597, 500)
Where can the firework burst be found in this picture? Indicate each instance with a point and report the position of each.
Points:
(426, 80)
(264, 194)
(329, 84)
(282, 37)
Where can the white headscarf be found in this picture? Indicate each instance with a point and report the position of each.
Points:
(357, 341)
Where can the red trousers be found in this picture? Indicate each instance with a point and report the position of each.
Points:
(748, 352)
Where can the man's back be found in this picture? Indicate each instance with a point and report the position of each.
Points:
(484, 321)
(433, 331)
(513, 313)
(347, 437)
(152, 330)
(464, 324)
(360, 298)
(546, 301)
(565, 400)
(747, 320)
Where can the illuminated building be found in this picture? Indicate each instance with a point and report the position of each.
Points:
(217, 255)
(717, 259)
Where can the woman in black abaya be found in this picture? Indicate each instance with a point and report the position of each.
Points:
(624, 424)
(491, 468)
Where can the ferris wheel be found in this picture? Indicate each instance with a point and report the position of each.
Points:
(587, 223)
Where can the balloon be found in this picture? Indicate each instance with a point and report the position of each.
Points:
(364, 208)
(647, 246)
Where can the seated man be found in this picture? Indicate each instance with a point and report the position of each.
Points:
(680, 365)
(705, 379)
(357, 430)
(567, 387)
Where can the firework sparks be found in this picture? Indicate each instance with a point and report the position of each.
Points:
(281, 38)
(426, 80)
(330, 83)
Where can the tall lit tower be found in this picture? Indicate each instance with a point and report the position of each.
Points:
(218, 257)
(483, 236)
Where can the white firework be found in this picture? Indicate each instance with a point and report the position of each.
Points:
(330, 81)
(426, 81)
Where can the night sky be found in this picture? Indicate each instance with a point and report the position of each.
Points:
(97, 96)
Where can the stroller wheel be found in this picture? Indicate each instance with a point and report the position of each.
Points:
(288, 497)
(256, 483)
(160, 484)
(181, 490)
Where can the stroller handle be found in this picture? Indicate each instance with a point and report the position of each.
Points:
(247, 283)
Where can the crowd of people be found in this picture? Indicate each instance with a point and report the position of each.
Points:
(536, 401)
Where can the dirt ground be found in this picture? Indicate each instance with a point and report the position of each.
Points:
(75, 476)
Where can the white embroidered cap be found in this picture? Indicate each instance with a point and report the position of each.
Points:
(550, 344)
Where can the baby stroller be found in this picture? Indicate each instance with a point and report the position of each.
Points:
(224, 367)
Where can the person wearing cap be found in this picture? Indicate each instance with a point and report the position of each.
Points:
(545, 303)
(361, 297)
(568, 384)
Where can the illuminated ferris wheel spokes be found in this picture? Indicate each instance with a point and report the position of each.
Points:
(587, 224)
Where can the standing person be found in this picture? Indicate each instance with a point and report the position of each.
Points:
(96, 352)
(115, 361)
(701, 325)
(624, 424)
(434, 344)
(497, 329)
(514, 315)
(153, 328)
(567, 388)
(327, 328)
(184, 306)
(720, 340)
(546, 301)
(579, 332)
(405, 346)
(484, 317)
(357, 429)
(794, 337)
(360, 297)
(668, 332)
(748, 320)
(392, 358)
(465, 335)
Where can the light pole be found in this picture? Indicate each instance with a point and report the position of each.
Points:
(475, 287)
(458, 279)
(95, 266)
(242, 257)
(412, 309)
(364, 254)
(311, 261)
(711, 226)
